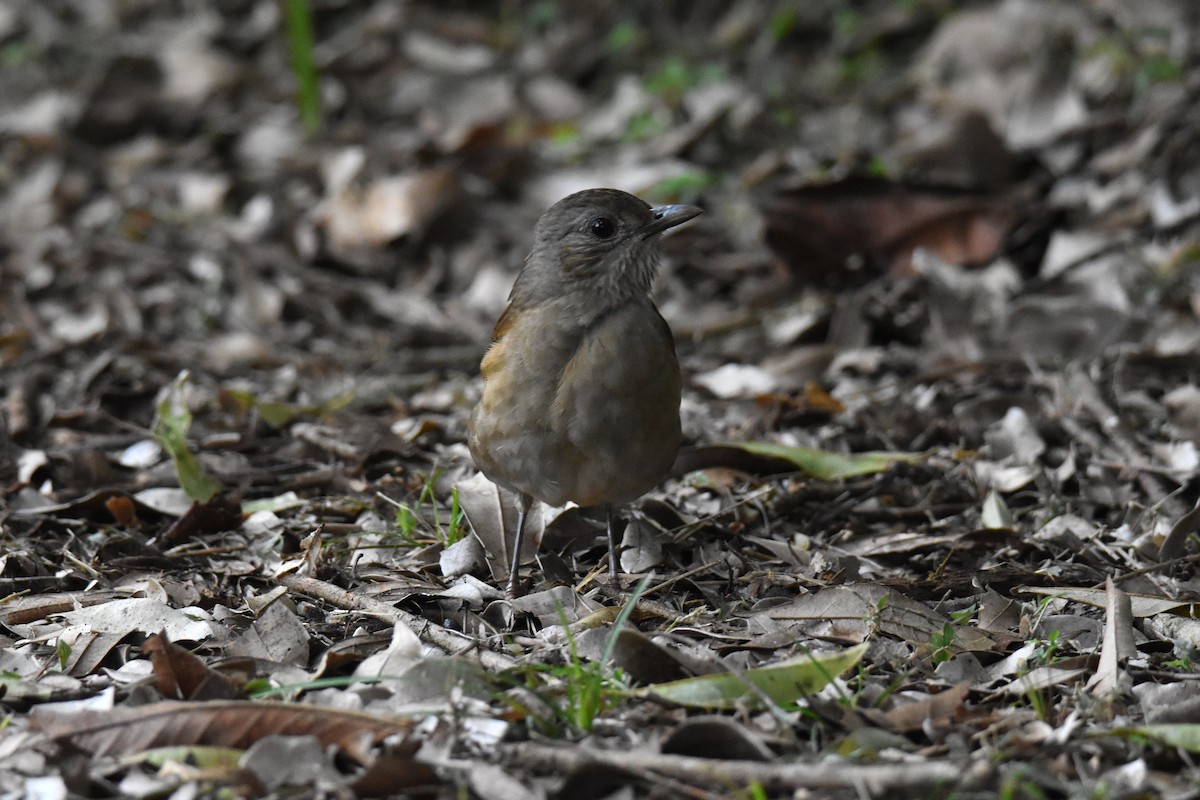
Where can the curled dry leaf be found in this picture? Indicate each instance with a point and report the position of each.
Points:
(492, 513)
(716, 737)
(1118, 647)
(181, 675)
(645, 660)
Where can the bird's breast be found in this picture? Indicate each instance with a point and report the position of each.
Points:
(587, 413)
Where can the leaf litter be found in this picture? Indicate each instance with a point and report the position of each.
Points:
(936, 328)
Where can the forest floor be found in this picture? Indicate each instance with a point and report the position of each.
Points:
(932, 530)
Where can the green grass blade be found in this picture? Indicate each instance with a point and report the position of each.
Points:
(300, 42)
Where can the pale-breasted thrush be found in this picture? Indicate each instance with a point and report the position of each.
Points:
(581, 385)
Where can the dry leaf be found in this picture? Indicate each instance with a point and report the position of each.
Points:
(819, 231)
(128, 730)
(1118, 644)
(180, 675)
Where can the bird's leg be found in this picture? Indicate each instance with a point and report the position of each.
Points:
(613, 575)
(524, 501)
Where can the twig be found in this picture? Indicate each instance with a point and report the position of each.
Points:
(681, 576)
(1161, 566)
(877, 780)
(452, 642)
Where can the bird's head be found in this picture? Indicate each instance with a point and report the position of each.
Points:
(599, 243)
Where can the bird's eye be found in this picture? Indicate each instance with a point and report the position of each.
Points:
(602, 227)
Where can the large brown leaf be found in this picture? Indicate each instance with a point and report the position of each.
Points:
(127, 730)
(831, 233)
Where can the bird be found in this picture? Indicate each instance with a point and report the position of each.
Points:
(581, 383)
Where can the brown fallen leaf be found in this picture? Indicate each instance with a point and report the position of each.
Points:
(127, 730)
(817, 399)
(645, 660)
(221, 513)
(180, 675)
(841, 232)
(716, 737)
(938, 710)
(123, 510)
(89, 650)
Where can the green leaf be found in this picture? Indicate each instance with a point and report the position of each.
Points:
(643, 125)
(171, 424)
(624, 35)
(279, 502)
(783, 22)
(784, 684)
(63, 652)
(684, 187)
(278, 414)
(199, 755)
(673, 77)
(826, 465)
(1182, 735)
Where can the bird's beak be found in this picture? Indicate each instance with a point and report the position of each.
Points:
(668, 217)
